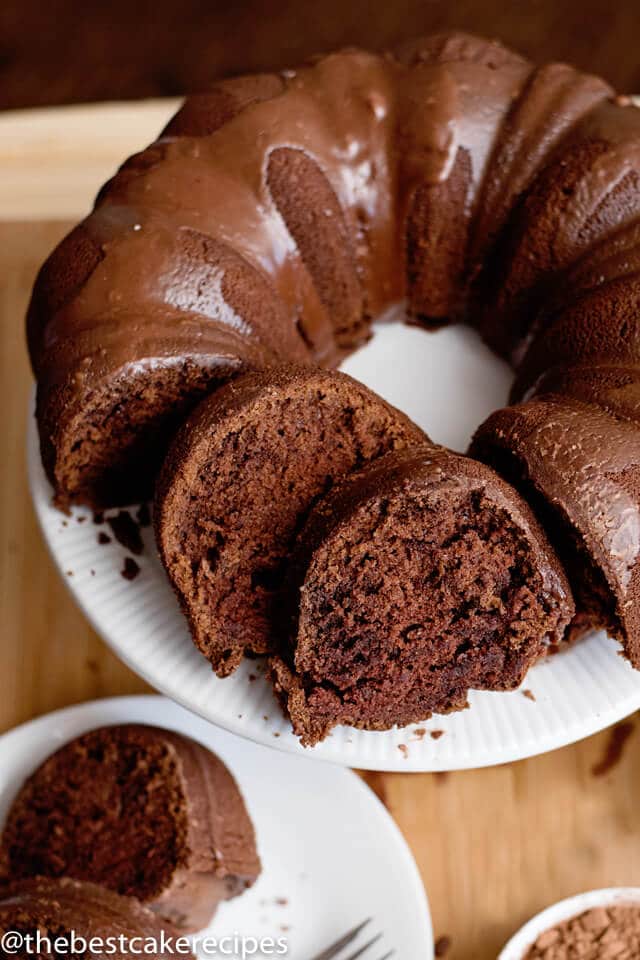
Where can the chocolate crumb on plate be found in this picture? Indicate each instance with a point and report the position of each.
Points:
(529, 695)
(436, 734)
(130, 570)
(127, 532)
(103, 538)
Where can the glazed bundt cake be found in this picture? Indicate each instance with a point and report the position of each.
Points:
(414, 580)
(273, 220)
(238, 483)
(45, 909)
(278, 214)
(144, 812)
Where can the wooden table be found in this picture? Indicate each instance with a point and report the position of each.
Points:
(494, 846)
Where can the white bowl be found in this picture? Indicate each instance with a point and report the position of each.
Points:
(565, 910)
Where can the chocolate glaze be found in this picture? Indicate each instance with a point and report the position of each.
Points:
(408, 167)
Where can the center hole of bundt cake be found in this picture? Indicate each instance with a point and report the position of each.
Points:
(448, 381)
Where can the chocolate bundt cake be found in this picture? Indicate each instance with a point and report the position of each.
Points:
(142, 811)
(278, 214)
(45, 909)
(273, 220)
(238, 483)
(414, 580)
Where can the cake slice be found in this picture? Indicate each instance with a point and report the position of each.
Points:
(579, 468)
(415, 580)
(142, 811)
(45, 909)
(237, 486)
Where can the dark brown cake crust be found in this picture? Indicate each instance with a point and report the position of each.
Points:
(62, 907)
(238, 483)
(413, 581)
(142, 811)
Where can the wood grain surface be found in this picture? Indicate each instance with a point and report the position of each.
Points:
(493, 846)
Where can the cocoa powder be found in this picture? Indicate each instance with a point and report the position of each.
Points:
(603, 933)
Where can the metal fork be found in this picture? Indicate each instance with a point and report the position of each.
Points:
(335, 951)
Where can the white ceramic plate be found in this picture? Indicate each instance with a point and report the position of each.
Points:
(331, 854)
(448, 382)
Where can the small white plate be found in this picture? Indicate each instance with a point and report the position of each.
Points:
(565, 910)
(331, 854)
(448, 382)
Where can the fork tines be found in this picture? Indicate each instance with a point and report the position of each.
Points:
(332, 952)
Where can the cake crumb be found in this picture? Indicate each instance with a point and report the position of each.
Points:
(127, 532)
(420, 733)
(69, 573)
(436, 734)
(614, 748)
(442, 946)
(130, 570)
(404, 750)
(103, 538)
(529, 694)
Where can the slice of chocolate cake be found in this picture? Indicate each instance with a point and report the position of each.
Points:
(143, 811)
(60, 917)
(579, 468)
(238, 484)
(415, 580)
